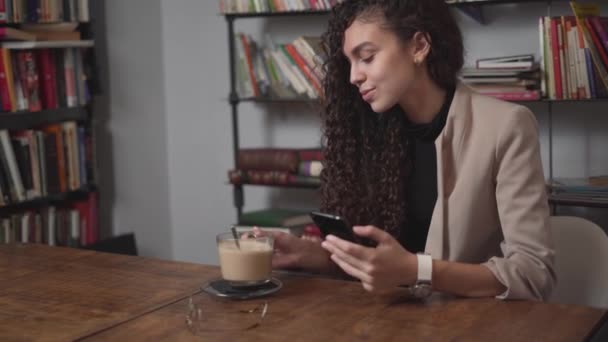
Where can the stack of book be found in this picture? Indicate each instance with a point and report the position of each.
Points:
(575, 54)
(591, 188)
(297, 222)
(279, 71)
(262, 6)
(278, 166)
(512, 78)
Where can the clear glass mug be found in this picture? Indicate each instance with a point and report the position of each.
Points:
(246, 262)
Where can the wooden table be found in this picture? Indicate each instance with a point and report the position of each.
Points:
(53, 293)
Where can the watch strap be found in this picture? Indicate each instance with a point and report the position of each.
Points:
(425, 268)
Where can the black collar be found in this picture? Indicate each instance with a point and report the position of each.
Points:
(430, 131)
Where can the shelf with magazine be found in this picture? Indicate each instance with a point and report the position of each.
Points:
(575, 59)
(48, 178)
(291, 72)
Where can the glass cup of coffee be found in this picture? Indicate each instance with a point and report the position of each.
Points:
(246, 261)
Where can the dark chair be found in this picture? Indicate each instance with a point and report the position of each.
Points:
(122, 244)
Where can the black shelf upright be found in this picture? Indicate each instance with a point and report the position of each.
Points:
(234, 105)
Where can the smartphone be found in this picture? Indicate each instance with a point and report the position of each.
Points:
(334, 225)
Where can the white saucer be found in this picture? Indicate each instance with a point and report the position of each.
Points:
(222, 288)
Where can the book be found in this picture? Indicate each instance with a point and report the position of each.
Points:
(51, 165)
(8, 189)
(599, 180)
(53, 35)
(506, 62)
(5, 188)
(507, 87)
(304, 68)
(275, 159)
(28, 72)
(580, 186)
(312, 52)
(249, 60)
(500, 72)
(48, 78)
(582, 11)
(16, 184)
(9, 79)
(276, 217)
(278, 178)
(21, 150)
(557, 60)
(88, 215)
(68, 26)
(9, 33)
(527, 95)
(240, 229)
(543, 56)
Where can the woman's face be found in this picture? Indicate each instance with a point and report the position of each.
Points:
(382, 67)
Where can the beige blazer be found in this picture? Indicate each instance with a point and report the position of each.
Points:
(492, 206)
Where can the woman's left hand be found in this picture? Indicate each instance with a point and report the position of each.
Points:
(382, 268)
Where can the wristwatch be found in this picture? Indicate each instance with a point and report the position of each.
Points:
(423, 287)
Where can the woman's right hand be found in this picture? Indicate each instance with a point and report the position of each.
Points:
(291, 251)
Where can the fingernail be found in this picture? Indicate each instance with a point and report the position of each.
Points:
(330, 238)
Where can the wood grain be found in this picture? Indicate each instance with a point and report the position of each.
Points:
(314, 309)
(54, 293)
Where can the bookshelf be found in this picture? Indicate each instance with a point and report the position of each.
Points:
(472, 8)
(24, 119)
(53, 199)
(48, 181)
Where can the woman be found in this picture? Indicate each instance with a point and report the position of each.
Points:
(420, 163)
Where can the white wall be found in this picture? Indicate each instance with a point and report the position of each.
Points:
(132, 127)
(174, 102)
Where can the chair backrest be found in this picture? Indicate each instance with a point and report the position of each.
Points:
(581, 262)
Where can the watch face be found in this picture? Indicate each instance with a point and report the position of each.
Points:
(422, 290)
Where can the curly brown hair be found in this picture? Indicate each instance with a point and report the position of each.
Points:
(367, 160)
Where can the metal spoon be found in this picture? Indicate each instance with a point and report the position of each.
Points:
(236, 237)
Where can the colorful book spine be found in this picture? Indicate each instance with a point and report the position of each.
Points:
(248, 58)
(596, 23)
(297, 58)
(5, 97)
(596, 42)
(3, 11)
(555, 51)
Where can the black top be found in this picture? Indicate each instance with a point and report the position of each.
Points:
(421, 193)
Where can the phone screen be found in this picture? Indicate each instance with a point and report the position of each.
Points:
(334, 225)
